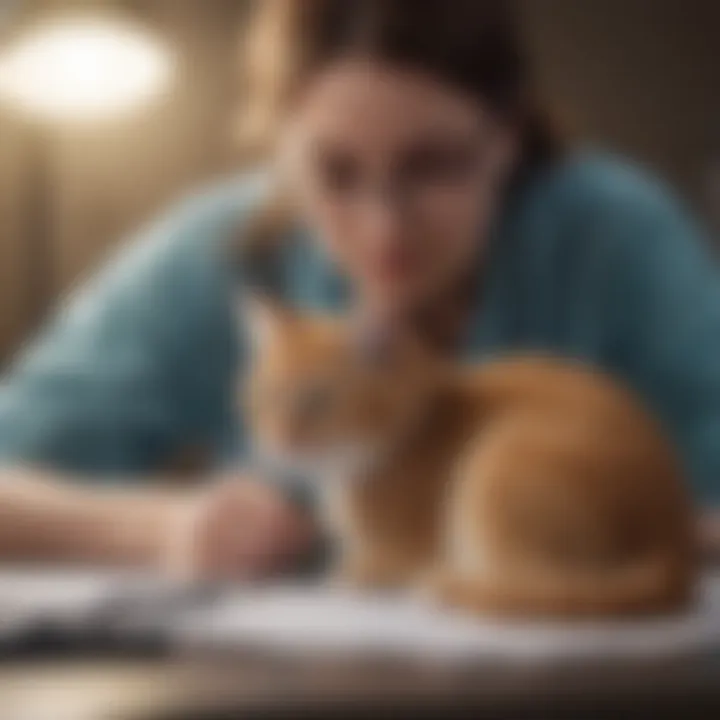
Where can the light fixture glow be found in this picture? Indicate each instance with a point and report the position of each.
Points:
(83, 69)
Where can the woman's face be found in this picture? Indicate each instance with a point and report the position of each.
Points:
(400, 175)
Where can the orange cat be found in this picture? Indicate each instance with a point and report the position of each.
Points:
(526, 486)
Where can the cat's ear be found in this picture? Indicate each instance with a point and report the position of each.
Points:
(262, 319)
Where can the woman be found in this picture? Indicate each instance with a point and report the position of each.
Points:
(423, 177)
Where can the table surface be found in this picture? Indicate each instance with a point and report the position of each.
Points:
(258, 687)
(154, 685)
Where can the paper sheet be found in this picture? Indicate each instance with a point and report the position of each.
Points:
(319, 620)
(315, 619)
(70, 598)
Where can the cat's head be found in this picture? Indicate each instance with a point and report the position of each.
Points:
(325, 394)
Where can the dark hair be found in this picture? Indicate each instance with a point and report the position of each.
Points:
(474, 45)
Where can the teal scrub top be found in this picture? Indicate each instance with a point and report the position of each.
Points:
(592, 260)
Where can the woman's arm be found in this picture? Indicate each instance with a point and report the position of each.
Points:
(232, 528)
(133, 365)
(138, 365)
(53, 519)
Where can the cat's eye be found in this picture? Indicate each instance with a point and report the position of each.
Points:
(312, 401)
(267, 396)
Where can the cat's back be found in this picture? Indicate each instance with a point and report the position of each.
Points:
(549, 422)
(552, 385)
(586, 403)
(567, 477)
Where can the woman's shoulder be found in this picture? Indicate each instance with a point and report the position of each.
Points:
(590, 215)
(193, 231)
(589, 184)
(220, 204)
(176, 261)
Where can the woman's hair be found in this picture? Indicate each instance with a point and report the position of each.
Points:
(473, 45)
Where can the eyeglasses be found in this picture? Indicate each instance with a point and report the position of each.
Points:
(410, 183)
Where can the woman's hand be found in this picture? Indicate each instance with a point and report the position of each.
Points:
(235, 528)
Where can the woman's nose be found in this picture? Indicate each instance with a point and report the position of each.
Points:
(384, 218)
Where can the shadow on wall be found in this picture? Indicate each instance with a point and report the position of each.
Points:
(637, 75)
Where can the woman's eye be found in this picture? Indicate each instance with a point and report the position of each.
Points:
(337, 174)
(444, 164)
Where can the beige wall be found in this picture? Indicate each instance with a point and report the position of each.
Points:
(15, 266)
(99, 183)
(637, 75)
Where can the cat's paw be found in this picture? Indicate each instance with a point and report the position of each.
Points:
(364, 575)
(432, 586)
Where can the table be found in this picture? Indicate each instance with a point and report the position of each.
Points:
(252, 686)
(153, 682)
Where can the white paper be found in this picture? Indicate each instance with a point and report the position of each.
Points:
(316, 619)
(321, 620)
(64, 595)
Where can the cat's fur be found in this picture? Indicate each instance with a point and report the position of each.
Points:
(527, 486)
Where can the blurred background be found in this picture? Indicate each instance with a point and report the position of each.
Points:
(80, 170)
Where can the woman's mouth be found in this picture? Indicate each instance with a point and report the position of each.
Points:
(396, 265)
